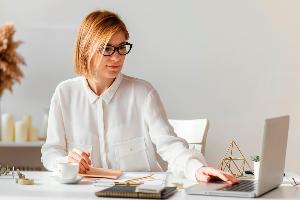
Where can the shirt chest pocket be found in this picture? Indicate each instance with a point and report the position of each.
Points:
(132, 155)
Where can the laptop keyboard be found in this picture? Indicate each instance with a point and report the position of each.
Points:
(243, 186)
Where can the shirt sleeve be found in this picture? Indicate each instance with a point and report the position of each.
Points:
(54, 149)
(182, 161)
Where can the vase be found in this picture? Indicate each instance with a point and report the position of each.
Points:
(256, 170)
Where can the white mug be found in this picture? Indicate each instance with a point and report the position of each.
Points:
(67, 170)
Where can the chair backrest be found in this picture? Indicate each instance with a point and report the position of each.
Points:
(193, 131)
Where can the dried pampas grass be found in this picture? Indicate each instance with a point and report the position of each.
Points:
(9, 59)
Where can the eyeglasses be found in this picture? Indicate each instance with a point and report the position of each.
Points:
(122, 49)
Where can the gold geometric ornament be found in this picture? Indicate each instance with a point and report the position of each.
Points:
(234, 161)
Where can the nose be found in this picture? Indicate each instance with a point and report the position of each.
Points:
(115, 56)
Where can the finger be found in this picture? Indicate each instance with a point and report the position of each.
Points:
(229, 178)
(83, 162)
(87, 154)
(203, 178)
(82, 169)
(225, 176)
(232, 178)
(80, 160)
(222, 176)
(212, 172)
(217, 173)
(84, 155)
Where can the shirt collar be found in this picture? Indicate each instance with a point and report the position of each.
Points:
(107, 95)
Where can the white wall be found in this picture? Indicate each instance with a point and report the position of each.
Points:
(234, 62)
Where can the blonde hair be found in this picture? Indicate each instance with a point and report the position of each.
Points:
(95, 30)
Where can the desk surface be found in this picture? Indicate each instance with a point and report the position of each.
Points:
(46, 188)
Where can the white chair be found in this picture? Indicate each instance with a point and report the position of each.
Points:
(193, 131)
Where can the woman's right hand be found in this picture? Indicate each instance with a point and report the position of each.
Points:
(82, 158)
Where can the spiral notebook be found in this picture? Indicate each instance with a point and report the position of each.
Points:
(129, 192)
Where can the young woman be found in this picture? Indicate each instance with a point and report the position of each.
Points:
(107, 119)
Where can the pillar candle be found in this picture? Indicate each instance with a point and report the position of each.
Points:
(33, 135)
(27, 119)
(7, 127)
(21, 131)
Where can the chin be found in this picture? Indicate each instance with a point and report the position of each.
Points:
(112, 74)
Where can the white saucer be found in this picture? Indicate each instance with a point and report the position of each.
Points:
(67, 181)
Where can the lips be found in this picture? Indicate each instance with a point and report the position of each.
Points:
(113, 67)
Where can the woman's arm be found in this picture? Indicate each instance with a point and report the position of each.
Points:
(54, 149)
(181, 160)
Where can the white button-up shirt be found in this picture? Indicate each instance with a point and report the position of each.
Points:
(124, 128)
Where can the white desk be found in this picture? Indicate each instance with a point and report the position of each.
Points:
(46, 188)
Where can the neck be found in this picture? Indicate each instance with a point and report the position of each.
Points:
(99, 86)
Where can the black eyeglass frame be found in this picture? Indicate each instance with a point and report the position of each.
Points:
(117, 49)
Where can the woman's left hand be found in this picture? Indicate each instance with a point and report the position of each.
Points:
(80, 157)
(205, 174)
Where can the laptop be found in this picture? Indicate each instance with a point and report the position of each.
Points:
(271, 166)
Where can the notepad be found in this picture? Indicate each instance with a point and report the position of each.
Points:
(102, 173)
(129, 192)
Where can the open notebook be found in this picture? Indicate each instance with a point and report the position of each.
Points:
(102, 173)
